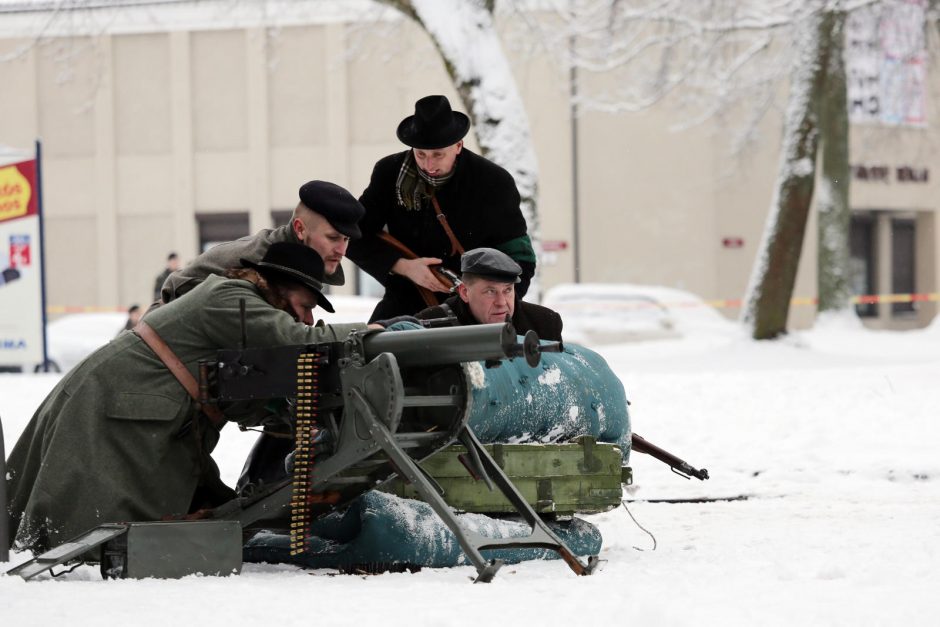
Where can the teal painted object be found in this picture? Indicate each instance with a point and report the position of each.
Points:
(380, 530)
(567, 395)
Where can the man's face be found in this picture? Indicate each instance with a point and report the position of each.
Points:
(300, 303)
(315, 231)
(489, 301)
(173, 264)
(439, 161)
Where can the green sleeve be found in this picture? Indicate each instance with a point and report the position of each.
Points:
(519, 249)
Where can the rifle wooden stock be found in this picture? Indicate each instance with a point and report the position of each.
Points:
(642, 445)
(430, 298)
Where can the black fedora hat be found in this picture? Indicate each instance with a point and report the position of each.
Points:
(296, 262)
(434, 125)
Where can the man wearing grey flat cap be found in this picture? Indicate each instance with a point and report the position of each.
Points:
(438, 199)
(325, 219)
(487, 294)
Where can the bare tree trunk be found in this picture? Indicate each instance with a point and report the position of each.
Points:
(774, 274)
(832, 199)
(465, 35)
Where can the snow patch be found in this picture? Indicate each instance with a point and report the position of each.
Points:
(476, 374)
(550, 377)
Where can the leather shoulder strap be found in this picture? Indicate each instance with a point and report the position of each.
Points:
(455, 247)
(152, 339)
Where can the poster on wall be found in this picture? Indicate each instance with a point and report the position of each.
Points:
(21, 315)
(886, 63)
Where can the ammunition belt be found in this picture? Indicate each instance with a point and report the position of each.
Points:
(308, 373)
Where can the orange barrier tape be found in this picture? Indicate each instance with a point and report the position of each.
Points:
(66, 309)
(863, 299)
(612, 303)
(631, 303)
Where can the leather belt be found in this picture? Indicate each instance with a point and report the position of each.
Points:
(179, 370)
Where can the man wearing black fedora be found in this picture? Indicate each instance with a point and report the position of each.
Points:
(325, 219)
(438, 199)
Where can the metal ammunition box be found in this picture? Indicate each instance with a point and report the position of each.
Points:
(583, 476)
(170, 550)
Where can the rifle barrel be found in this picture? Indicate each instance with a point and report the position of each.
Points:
(642, 445)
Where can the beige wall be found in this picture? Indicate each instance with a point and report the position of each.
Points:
(143, 131)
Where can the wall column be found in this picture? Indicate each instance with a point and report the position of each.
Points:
(259, 162)
(926, 268)
(181, 120)
(106, 179)
(337, 111)
(883, 252)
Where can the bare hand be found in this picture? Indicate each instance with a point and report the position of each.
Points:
(419, 273)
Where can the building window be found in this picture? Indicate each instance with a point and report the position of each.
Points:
(902, 263)
(862, 261)
(216, 228)
(280, 217)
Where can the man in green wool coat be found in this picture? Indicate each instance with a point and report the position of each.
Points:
(119, 438)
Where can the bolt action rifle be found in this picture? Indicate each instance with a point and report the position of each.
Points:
(447, 279)
(681, 468)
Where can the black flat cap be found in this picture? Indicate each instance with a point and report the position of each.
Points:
(297, 263)
(434, 125)
(335, 204)
(491, 264)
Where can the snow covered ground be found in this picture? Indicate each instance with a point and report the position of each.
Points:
(832, 435)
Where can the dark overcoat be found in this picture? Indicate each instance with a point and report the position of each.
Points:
(481, 203)
(525, 317)
(116, 440)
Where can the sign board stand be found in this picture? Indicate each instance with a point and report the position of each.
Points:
(22, 265)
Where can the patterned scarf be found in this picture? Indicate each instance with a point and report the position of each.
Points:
(414, 187)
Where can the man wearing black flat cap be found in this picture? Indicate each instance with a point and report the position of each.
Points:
(487, 294)
(121, 438)
(325, 219)
(438, 199)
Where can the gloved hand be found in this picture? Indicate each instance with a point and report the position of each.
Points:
(397, 319)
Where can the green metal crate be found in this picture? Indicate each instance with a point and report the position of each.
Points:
(583, 476)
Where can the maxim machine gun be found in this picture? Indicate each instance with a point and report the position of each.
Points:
(388, 399)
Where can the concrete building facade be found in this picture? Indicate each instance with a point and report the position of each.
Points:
(168, 133)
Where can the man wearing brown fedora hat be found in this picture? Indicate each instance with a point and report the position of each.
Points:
(325, 219)
(122, 436)
(438, 199)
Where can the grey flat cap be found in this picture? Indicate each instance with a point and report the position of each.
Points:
(492, 264)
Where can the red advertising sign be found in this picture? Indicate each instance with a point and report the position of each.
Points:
(17, 183)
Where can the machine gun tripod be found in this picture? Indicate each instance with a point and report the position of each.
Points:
(391, 399)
